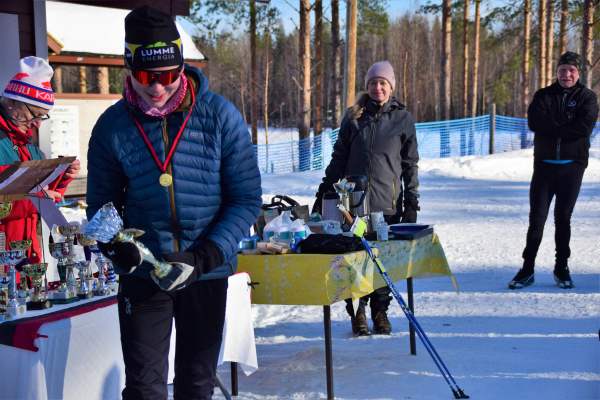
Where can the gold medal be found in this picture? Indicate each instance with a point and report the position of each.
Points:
(165, 180)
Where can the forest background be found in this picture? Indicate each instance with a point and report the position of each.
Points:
(451, 60)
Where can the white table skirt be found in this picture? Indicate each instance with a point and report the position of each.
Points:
(82, 358)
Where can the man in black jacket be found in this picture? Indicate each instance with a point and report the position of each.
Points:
(562, 116)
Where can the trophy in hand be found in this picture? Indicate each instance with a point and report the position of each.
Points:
(107, 226)
(36, 273)
(344, 187)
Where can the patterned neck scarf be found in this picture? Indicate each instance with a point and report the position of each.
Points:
(171, 105)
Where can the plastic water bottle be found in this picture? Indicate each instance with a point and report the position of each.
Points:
(382, 231)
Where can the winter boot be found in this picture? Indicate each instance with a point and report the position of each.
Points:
(360, 326)
(381, 325)
(522, 279)
(563, 278)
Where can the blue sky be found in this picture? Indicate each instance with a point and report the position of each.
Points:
(289, 16)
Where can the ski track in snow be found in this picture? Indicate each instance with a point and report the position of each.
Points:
(540, 342)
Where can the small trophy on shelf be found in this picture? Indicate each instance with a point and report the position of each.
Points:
(24, 295)
(70, 232)
(36, 273)
(83, 292)
(61, 251)
(4, 282)
(12, 258)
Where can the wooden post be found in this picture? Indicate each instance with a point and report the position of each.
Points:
(101, 80)
(350, 55)
(57, 79)
(82, 80)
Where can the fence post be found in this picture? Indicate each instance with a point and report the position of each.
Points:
(492, 126)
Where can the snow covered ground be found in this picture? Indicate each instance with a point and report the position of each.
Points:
(537, 343)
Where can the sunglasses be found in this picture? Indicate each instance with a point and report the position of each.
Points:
(149, 77)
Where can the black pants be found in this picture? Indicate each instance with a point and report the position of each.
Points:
(380, 301)
(549, 180)
(146, 316)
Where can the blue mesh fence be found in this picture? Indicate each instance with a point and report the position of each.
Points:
(470, 136)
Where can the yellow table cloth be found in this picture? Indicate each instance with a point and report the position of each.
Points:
(324, 279)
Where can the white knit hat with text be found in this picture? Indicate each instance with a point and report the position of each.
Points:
(32, 84)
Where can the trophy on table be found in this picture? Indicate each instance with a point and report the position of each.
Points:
(4, 282)
(24, 295)
(70, 232)
(36, 273)
(89, 275)
(61, 251)
(107, 226)
(83, 292)
(12, 258)
(102, 289)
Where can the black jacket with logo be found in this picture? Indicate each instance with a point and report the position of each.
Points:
(563, 120)
(382, 145)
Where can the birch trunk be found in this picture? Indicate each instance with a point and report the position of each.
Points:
(526, 34)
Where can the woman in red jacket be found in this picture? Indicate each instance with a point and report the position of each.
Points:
(24, 104)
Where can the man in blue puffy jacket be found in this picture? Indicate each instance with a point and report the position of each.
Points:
(177, 162)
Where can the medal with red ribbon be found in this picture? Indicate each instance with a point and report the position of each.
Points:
(165, 179)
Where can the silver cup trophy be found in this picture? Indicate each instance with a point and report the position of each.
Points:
(24, 295)
(12, 258)
(102, 289)
(70, 231)
(61, 251)
(107, 226)
(82, 291)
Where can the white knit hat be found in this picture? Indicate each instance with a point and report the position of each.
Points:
(32, 84)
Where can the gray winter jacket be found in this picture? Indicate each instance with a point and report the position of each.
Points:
(382, 145)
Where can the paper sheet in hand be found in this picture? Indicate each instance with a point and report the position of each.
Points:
(22, 178)
(49, 212)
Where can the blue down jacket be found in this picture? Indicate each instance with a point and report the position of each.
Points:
(216, 191)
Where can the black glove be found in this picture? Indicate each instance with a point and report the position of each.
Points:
(411, 206)
(125, 256)
(188, 267)
(323, 188)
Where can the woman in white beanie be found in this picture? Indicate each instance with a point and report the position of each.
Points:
(24, 104)
(377, 139)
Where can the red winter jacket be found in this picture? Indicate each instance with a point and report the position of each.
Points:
(22, 221)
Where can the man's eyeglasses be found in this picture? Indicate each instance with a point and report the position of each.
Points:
(35, 118)
(149, 77)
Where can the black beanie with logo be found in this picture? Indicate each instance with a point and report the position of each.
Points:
(570, 58)
(151, 39)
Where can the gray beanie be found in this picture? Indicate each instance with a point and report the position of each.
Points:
(382, 69)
